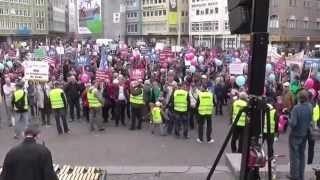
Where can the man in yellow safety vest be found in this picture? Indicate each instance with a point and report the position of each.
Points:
(96, 102)
(137, 102)
(238, 130)
(205, 106)
(19, 104)
(273, 126)
(180, 102)
(59, 107)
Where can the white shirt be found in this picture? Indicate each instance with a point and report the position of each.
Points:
(121, 95)
(8, 92)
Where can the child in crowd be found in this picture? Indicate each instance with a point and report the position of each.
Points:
(157, 118)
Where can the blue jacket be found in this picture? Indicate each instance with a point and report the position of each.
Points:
(301, 119)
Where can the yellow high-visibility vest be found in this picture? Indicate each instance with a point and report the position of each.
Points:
(237, 106)
(316, 113)
(180, 100)
(272, 120)
(137, 99)
(93, 100)
(56, 99)
(206, 103)
(156, 115)
(18, 94)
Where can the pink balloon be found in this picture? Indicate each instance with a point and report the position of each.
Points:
(203, 53)
(194, 62)
(236, 54)
(190, 56)
(131, 59)
(84, 78)
(309, 83)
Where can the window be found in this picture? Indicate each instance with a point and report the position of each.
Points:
(156, 13)
(275, 3)
(207, 11)
(182, 13)
(307, 4)
(292, 23)
(151, 13)
(318, 24)
(226, 25)
(216, 25)
(136, 28)
(164, 12)
(293, 3)
(148, 13)
(143, 2)
(187, 13)
(305, 24)
(216, 10)
(160, 13)
(198, 12)
(274, 21)
(195, 27)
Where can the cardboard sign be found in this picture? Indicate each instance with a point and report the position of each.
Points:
(36, 70)
(236, 69)
(137, 74)
(102, 75)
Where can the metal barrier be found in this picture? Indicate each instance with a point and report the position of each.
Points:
(78, 172)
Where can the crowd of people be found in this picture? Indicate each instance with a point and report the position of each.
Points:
(174, 91)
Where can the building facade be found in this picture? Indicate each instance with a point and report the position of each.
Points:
(57, 17)
(21, 19)
(165, 21)
(114, 19)
(209, 26)
(133, 21)
(71, 25)
(294, 23)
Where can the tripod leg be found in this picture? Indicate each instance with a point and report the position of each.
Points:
(225, 143)
(269, 145)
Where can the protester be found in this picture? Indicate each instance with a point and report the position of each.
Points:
(300, 121)
(96, 102)
(205, 106)
(43, 103)
(20, 106)
(73, 92)
(239, 128)
(59, 106)
(8, 90)
(157, 119)
(137, 101)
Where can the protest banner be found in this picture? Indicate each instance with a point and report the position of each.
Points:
(36, 70)
(137, 74)
(236, 69)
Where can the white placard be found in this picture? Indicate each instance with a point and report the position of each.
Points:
(60, 50)
(36, 70)
(236, 68)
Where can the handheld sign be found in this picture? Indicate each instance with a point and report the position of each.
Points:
(36, 70)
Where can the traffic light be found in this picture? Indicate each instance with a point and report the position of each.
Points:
(240, 16)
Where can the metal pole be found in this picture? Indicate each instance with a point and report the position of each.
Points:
(179, 22)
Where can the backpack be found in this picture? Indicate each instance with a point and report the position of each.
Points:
(20, 103)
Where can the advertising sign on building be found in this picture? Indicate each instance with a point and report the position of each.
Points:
(36, 70)
(90, 20)
(172, 15)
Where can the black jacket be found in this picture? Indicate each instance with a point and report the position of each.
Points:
(28, 161)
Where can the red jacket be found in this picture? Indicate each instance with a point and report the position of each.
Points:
(84, 97)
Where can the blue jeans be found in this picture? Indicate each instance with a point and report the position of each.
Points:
(181, 119)
(21, 122)
(297, 146)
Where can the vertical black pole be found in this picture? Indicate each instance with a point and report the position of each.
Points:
(256, 80)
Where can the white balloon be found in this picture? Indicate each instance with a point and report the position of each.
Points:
(109, 58)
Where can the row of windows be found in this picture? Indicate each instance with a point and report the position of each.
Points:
(154, 13)
(40, 2)
(17, 1)
(6, 25)
(40, 14)
(132, 14)
(209, 26)
(155, 27)
(146, 2)
(207, 11)
(16, 12)
(132, 28)
(292, 23)
(131, 2)
(40, 26)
